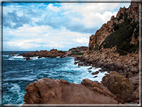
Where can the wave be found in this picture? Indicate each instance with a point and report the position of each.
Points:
(30, 78)
(13, 90)
(5, 55)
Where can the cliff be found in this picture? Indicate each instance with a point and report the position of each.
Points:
(122, 29)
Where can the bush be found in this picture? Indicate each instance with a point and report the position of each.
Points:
(116, 27)
(120, 17)
(121, 38)
(121, 52)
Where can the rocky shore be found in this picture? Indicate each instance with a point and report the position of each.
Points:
(110, 60)
(114, 89)
(114, 48)
(123, 67)
(51, 91)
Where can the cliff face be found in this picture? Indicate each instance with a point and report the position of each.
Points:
(129, 15)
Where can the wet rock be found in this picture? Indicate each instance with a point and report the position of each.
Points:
(75, 63)
(62, 56)
(100, 70)
(51, 91)
(94, 73)
(28, 58)
(90, 68)
(80, 64)
(39, 57)
(95, 76)
(89, 71)
(118, 85)
(13, 54)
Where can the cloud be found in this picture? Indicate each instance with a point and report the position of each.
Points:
(76, 17)
(46, 26)
(12, 20)
(82, 40)
(40, 37)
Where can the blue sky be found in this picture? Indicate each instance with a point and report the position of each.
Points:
(44, 26)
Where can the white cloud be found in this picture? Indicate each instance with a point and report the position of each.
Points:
(82, 40)
(106, 15)
(53, 8)
(69, 24)
(25, 43)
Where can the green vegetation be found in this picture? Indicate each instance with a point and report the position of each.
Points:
(61, 51)
(121, 38)
(96, 47)
(77, 53)
(120, 17)
(116, 26)
(136, 33)
(90, 48)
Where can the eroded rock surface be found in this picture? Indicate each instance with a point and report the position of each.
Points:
(118, 85)
(51, 91)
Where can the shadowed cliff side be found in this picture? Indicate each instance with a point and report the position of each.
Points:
(121, 31)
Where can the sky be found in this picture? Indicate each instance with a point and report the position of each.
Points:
(44, 26)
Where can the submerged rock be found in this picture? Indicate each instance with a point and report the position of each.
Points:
(52, 91)
(94, 73)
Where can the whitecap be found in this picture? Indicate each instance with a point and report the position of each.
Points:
(34, 58)
(30, 78)
(15, 88)
(16, 57)
(5, 55)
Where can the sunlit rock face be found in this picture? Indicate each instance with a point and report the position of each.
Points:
(52, 91)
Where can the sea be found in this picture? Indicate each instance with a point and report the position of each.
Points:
(17, 73)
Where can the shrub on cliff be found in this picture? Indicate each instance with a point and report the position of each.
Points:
(122, 38)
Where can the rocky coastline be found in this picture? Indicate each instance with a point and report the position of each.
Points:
(121, 61)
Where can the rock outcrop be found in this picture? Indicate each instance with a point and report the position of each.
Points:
(118, 85)
(53, 53)
(125, 15)
(12, 54)
(51, 91)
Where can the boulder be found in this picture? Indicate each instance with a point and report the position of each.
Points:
(118, 85)
(80, 64)
(39, 57)
(75, 63)
(94, 73)
(89, 71)
(95, 76)
(51, 91)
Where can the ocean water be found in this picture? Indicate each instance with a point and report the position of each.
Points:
(17, 73)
